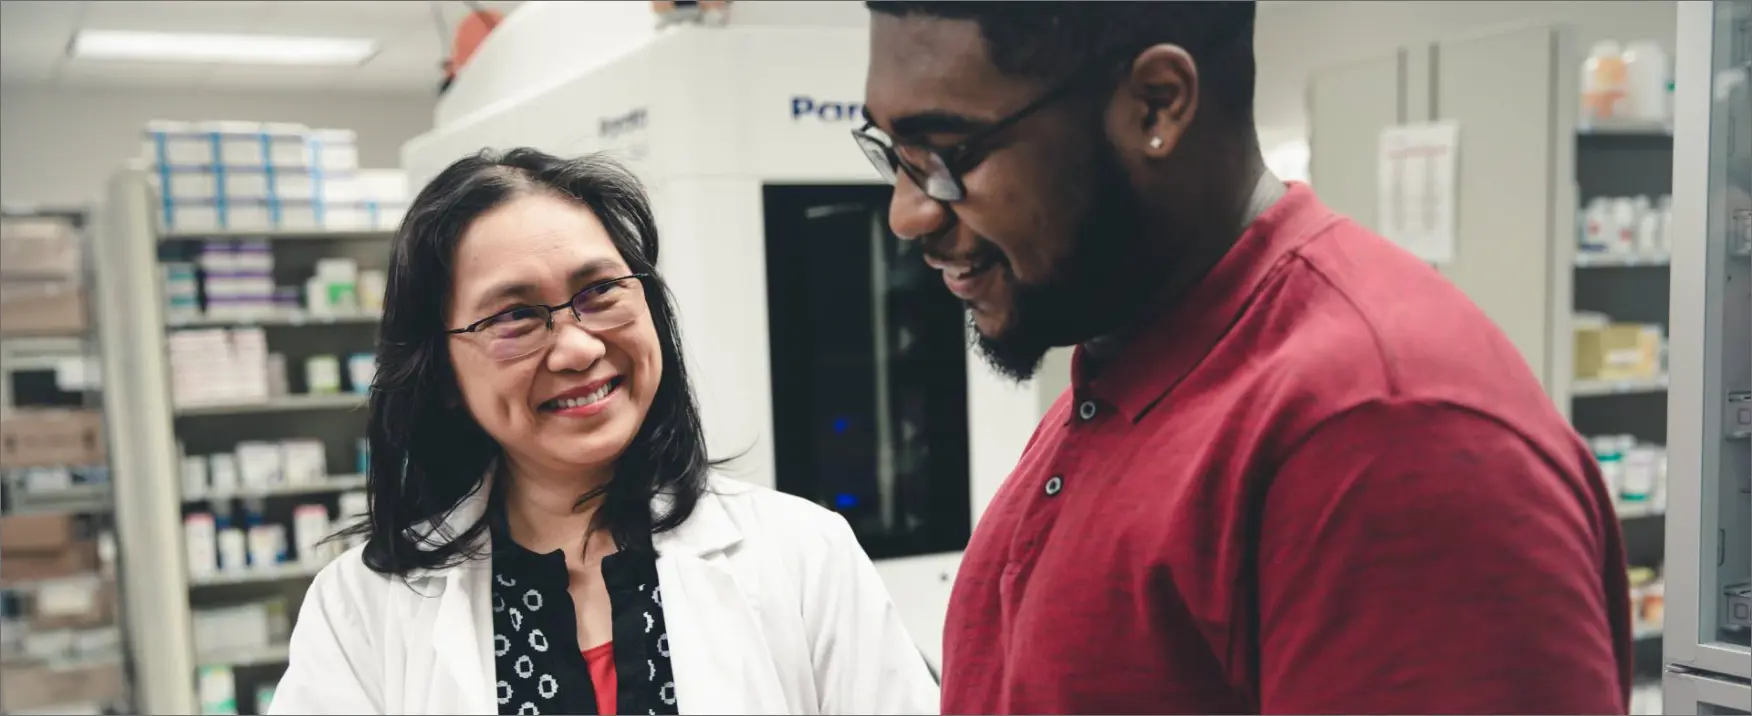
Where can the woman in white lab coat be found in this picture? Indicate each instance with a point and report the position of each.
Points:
(546, 533)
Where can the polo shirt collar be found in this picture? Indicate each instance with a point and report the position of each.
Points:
(1158, 357)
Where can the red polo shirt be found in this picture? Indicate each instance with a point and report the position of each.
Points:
(1324, 483)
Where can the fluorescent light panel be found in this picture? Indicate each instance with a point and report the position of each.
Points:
(239, 49)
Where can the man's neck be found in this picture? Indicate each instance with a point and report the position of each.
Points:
(1267, 190)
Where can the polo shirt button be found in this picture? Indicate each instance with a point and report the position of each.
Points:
(1086, 410)
(1054, 484)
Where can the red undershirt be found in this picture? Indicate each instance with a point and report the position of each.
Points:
(600, 659)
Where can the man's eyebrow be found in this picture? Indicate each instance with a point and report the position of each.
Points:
(920, 124)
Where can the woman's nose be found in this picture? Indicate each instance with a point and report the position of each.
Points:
(574, 349)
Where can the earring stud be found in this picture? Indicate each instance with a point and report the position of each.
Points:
(1155, 142)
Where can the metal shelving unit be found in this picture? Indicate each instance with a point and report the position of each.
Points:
(158, 430)
(282, 404)
(335, 483)
(276, 235)
(299, 318)
(1619, 159)
(1600, 388)
(83, 492)
(257, 575)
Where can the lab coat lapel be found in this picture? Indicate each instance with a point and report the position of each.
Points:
(461, 639)
(717, 647)
(463, 627)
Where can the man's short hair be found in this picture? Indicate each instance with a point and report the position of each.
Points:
(1051, 40)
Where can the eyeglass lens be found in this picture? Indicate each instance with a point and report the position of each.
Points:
(926, 167)
(600, 307)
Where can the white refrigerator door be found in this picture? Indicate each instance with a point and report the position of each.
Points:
(1704, 696)
(1709, 409)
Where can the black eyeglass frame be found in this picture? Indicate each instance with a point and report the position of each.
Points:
(571, 304)
(953, 161)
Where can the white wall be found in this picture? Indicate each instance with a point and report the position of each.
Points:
(1293, 39)
(58, 147)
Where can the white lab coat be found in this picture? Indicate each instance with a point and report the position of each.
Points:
(771, 605)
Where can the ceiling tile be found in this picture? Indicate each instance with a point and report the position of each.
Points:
(177, 15)
(257, 77)
(416, 52)
(20, 68)
(24, 20)
(93, 73)
(316, 19)
(34, 35)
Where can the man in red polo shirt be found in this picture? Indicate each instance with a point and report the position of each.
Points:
(1297, 470)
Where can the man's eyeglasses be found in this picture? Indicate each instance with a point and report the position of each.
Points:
(601, 306)
(938, 172)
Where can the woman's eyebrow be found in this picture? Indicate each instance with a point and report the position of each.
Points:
(527, 291)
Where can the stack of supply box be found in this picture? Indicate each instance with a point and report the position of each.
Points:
(59, 647)
(1609, 350)
(369, 199)
(234, 280)
(249, 176)
(218, 366)
(237, 175)
(58, 641)
(238, 279)
(40, 288)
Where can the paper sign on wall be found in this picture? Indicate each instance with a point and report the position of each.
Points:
(1418, 188)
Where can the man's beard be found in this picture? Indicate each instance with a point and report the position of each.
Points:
(1094, 290)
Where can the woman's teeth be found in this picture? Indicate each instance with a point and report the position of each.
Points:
(581, 401)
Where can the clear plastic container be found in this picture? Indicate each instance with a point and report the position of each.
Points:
(1603, 83)
(1645, 74)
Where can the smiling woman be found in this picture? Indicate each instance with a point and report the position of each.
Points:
(536, 447)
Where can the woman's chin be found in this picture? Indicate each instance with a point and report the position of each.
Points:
(592, 448)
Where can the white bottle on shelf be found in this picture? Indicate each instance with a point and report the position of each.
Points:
(1609, 454)
(1637, 471)
(201, 540)
(1624, 225)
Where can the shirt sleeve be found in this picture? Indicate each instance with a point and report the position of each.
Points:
(1421, 558)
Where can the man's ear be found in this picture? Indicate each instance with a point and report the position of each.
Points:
(1161, 91)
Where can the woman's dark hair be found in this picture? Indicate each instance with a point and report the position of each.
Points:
(427, 453)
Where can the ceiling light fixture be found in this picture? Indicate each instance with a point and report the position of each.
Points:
(240, 49)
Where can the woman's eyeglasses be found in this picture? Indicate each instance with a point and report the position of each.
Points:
(601, 306)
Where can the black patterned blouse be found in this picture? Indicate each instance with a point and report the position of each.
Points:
(539, 664)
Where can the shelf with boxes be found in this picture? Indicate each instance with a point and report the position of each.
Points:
(225, 299)
(60, 616)
(223, 176)
(1617, 334)
(260, 511)
(42, 287)
(61, 644)
(255, 354)
(1619, 297)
